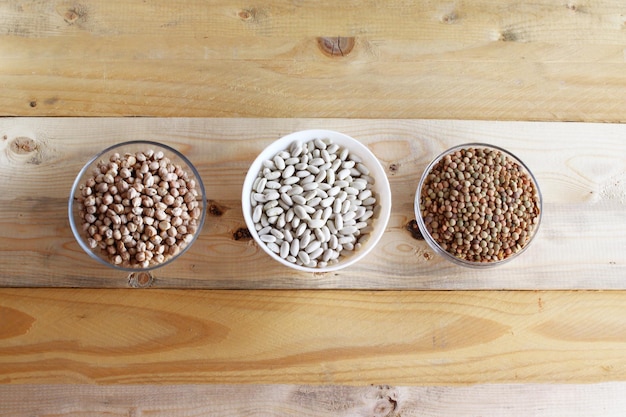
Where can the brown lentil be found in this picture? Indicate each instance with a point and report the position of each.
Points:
(479, 205)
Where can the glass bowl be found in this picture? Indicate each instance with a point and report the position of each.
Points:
(377, 223)
(137, 206)
(482, 220)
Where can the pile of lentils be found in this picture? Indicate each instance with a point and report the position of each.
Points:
(139, 209)
(312, 204)
(479, 205)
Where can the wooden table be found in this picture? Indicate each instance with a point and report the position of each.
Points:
(227, 331)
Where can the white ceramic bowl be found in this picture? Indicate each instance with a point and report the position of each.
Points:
(380, 188)
(77, 223)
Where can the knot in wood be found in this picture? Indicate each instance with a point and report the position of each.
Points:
(336, 46)
(75, 14)
(242, 234)
(140, 279)
(23, 145)
(246, 14)
(412, 227)
(215, 209)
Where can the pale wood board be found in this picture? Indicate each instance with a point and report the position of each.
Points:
(74, 352)
(483, 59)
(606, 400)
(581, 170)
(403, 338)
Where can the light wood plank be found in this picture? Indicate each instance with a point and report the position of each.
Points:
(483, 59)
(109, 337)
(605, 400)
(581, 169)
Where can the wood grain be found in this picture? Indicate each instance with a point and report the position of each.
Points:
(483, 59)
(581, 169)
(605, 399)
(70, 352)
(404, 338)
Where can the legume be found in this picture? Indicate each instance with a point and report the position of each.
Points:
(479, 205)
(324, 203)
(138, 209)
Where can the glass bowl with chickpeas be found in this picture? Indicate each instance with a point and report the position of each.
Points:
(137, 206)
(478, 205)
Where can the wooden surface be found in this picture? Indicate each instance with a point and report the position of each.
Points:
(581, 169)
(478, 59)
(74, 352)
(606, 400)
(400, 338)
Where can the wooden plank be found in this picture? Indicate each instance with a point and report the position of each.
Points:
(581, 169)
(276, 400)
(483, 59)
(426, 338)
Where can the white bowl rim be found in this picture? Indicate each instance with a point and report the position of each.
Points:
(381, 185)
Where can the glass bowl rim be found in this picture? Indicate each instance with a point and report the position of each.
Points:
(78, 182)
(433, 243)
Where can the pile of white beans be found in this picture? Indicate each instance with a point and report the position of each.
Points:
(312, 204)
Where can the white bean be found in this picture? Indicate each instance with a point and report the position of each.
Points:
(289, 215)
(305, 239)
(316, 253)
(285, 197)
(268, 238)
(294, 248)
(272, 195)
(301, 229)
(279, 162)
(348, 230)
(327, 202)
(319, 144)
(339, 222)
(291, 180)
(295, 149)
(326, 232)
(274, 211)
(259, 197)
(304, 257)
(273, 247)
(312, 246)
(343, 174)
(300, 212)
(256, 216)
(314, 201)
(365, 194)
(272, 175)
(313, 169)
(333, 242)
(370, 201)
(288, 171)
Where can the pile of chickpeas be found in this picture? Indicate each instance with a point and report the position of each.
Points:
(139, 209)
